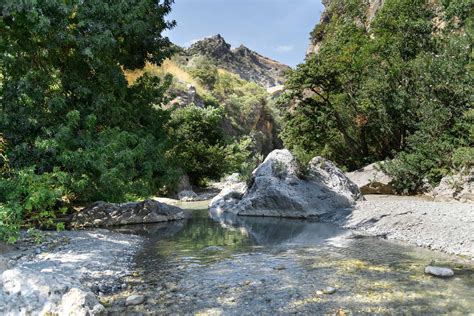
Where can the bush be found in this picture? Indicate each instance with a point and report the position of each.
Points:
(71, 125)
(203, 70)
(198, 144)
(401, 90)
(28, 199)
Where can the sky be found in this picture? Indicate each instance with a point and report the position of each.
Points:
(278, 29)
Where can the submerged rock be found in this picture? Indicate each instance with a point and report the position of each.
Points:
(329, 290)
(105, 214)
(439, 271)
(213, 249)
(278, 189)
(133, 300)
(372, 179)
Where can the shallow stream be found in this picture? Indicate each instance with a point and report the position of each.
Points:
(252, 265)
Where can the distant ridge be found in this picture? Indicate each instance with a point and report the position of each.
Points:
(248, 64)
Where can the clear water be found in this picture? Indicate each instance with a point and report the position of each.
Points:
(288, 261)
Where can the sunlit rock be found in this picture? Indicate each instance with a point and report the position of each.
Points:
(280, 188)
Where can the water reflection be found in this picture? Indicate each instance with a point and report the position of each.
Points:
(288, 260)
(269, 231)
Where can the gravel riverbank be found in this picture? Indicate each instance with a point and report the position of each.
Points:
(65, 274)
(442, 226)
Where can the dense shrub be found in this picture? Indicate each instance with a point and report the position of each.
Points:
(401, 89)
(199, 146)
(73, 129)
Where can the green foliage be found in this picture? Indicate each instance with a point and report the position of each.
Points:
(71, 124)
(199, 146)
(399, 90)
(203, 70)
(32, 199)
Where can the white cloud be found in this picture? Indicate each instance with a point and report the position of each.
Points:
(284, 48)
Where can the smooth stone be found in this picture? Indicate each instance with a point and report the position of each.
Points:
(439, 271)
(213, 249)
(329, 290)
(134, 300)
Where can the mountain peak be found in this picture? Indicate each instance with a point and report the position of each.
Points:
(248, 64)
(214, 46)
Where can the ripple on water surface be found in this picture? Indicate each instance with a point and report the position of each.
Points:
(249, 265)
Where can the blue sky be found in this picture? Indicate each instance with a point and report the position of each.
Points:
(278, 29)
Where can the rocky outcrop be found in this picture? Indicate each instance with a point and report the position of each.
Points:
(102, 214)
(335, 9)
(372, 179)
(226, 182)
(278, 189)
(248, 64)
(458, 187)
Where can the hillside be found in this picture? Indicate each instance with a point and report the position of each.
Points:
(374, 87)
(210, 74)
(248, 64)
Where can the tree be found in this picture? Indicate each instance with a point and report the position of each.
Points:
(399, 89)
(66, 108)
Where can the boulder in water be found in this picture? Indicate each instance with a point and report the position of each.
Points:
(102, 214)
(278, 188)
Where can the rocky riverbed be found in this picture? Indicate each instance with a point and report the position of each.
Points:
(254, 265)
(443, 226)
(231, 265)
(66, 273)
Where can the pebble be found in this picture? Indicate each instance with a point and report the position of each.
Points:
(439, 271)
(134, 300)
(329, 290)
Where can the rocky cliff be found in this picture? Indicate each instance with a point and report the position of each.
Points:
(362, 17)
(243, 61)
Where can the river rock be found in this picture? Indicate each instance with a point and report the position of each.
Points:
(228, 197)
(24, 291)
(278, 189)
(102, 214)
(371, 179)
(458, 187)
(439, 271)
(187, 196)
(133, 300)
(3, 264)
(227, 181)
(329, 290)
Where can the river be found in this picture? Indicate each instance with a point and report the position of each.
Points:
(211, 264)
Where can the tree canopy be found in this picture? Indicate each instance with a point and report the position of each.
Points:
(395, 87)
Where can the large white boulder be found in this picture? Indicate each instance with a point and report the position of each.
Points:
(371, 179)
(458, 187)
(279, 188)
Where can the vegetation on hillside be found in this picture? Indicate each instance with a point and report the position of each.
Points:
(237, 116)
(399, 87)
(87, 108)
